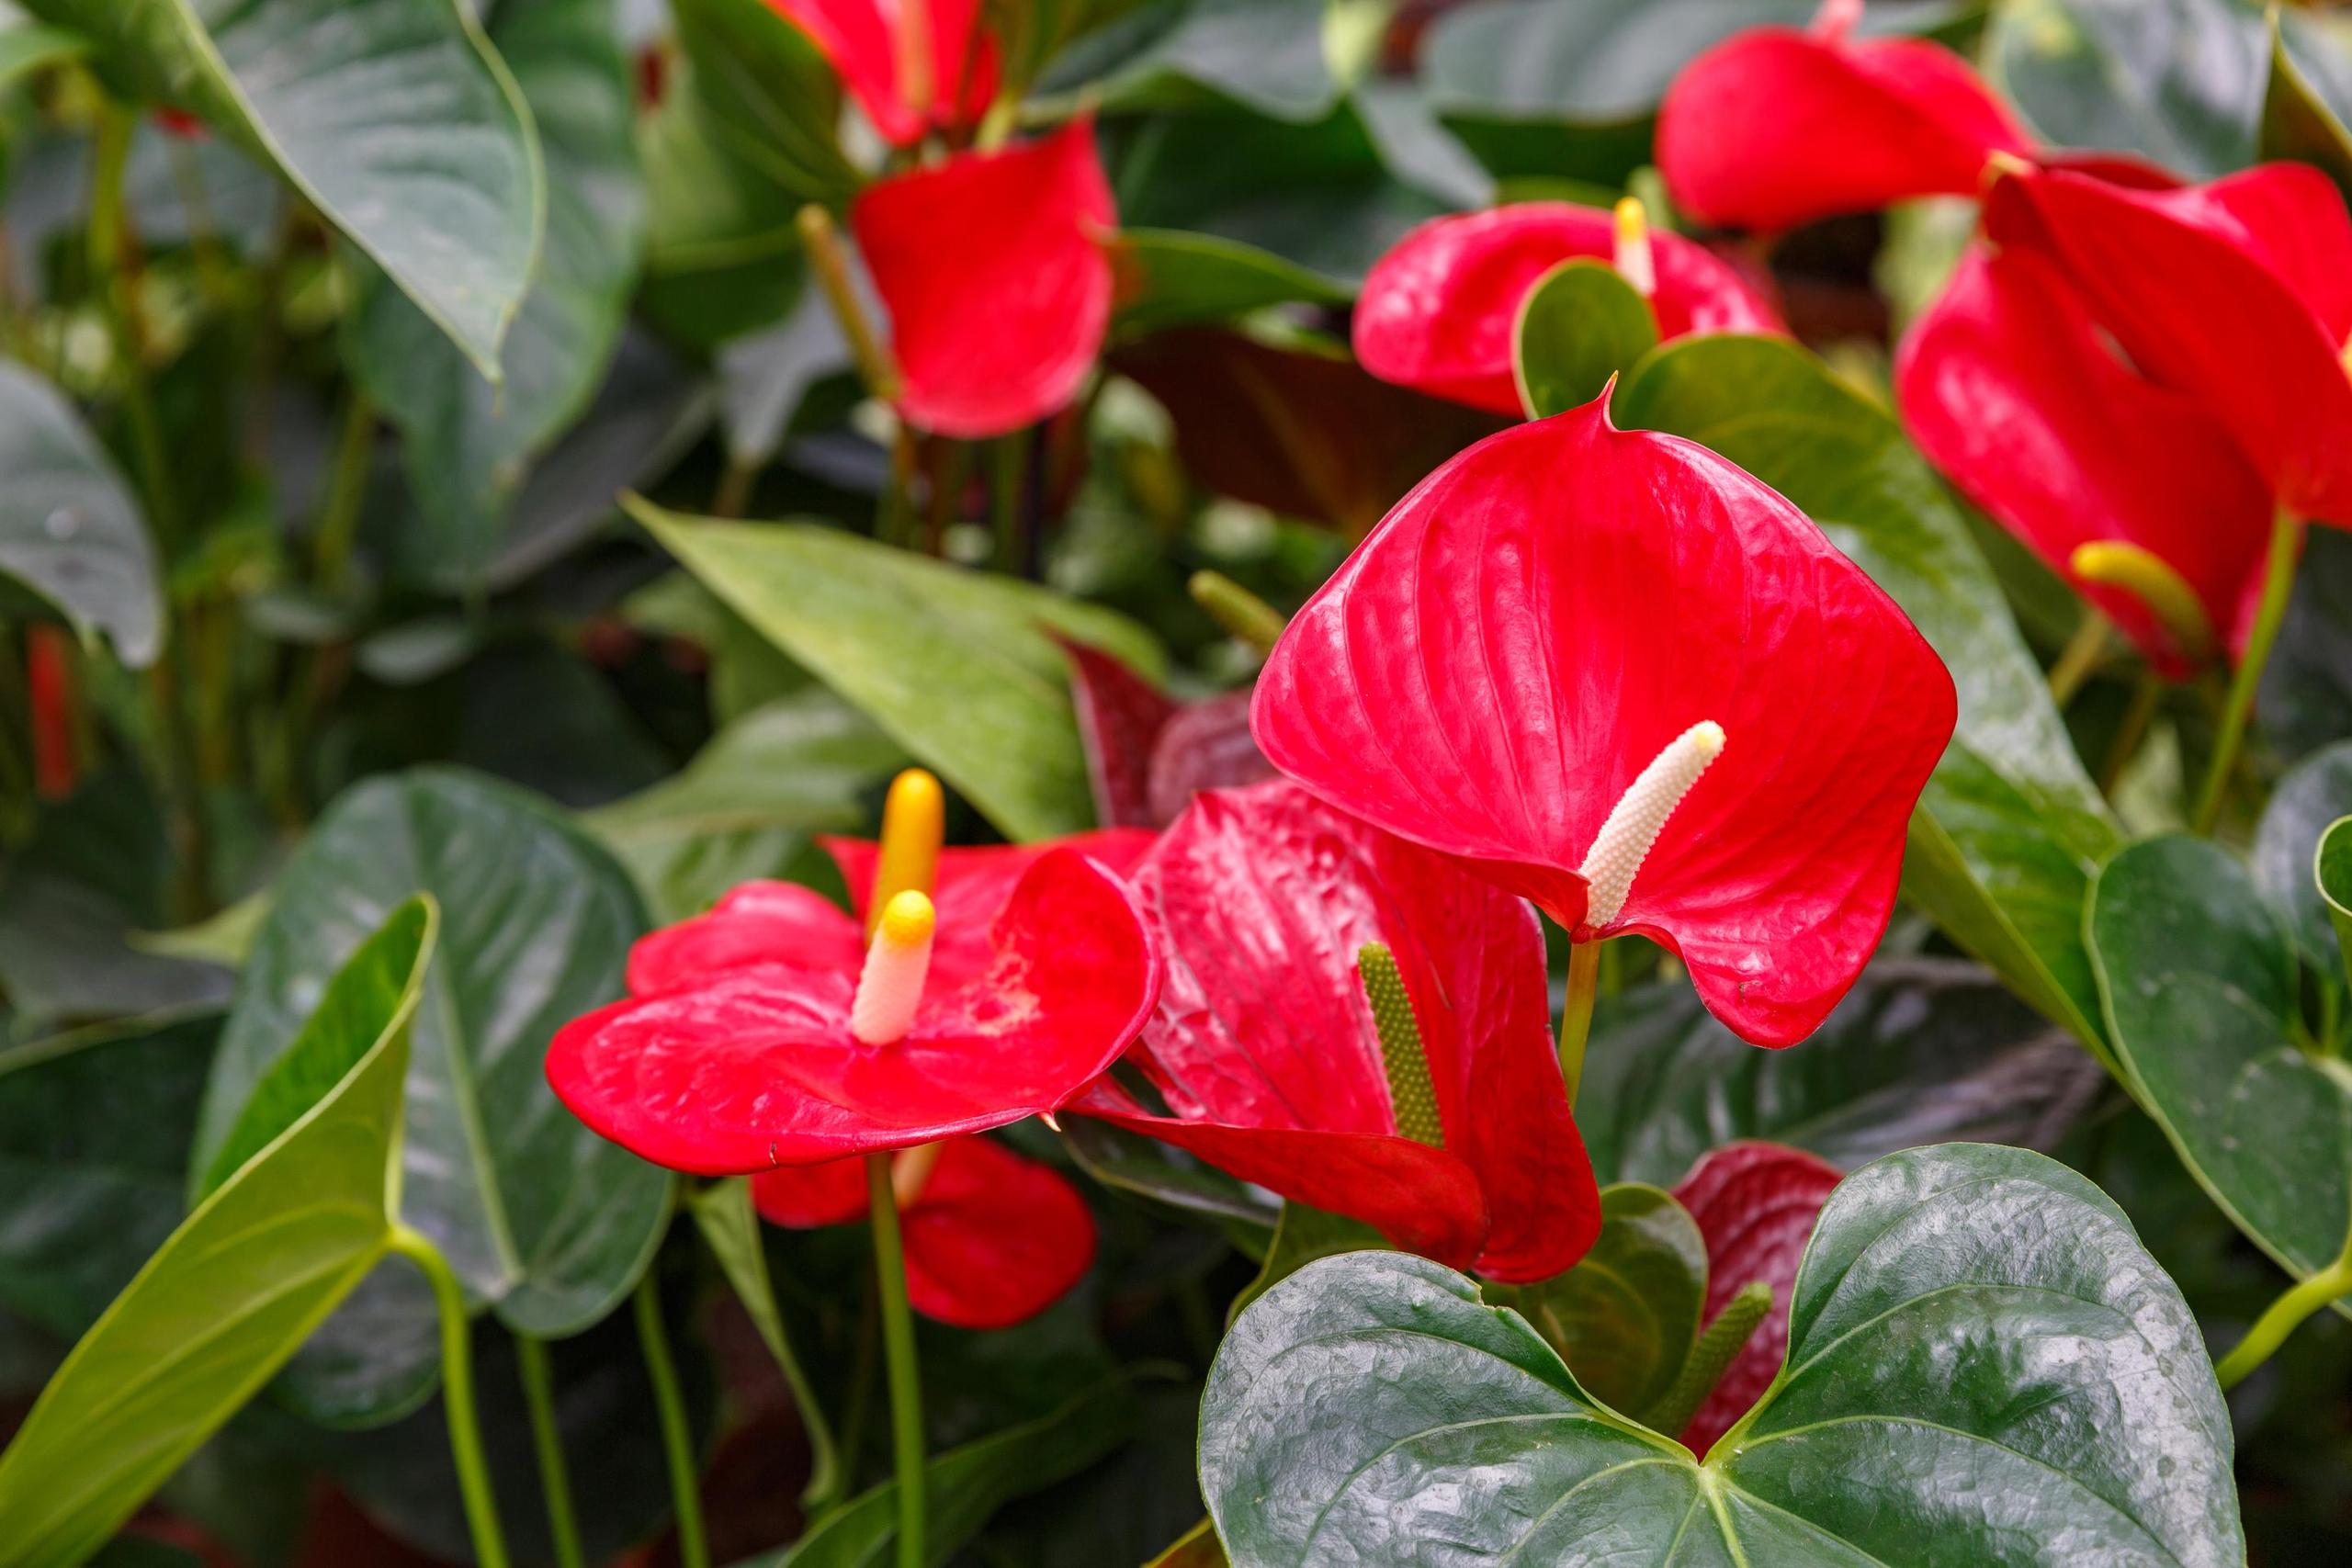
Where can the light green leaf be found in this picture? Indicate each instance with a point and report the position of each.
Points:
(69, 527)
(1578, 326)
(27, 47)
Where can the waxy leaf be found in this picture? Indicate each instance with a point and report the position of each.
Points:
(2010, 826)
(239, 1286)
(2204, 1010)
(393, 118)
(540, 1218)
(2177, 80)
(1984, 1367)
(69, 527)
(954, 665)
(1303, 1235)
(1580, 326)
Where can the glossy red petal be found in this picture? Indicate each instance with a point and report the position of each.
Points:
(1120, 715)
(2233, 293)
(857, 37)
(757, 1068)
(1756, 1204)
(994, 1238)
(760, 922)
(992, 269)
(1204, 745)
(803, 1197)
(2009, 387)
(1436, 311)
(1777, 127)
(1262, 898)
(1524, 633)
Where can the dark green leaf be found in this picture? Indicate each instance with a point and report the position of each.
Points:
(1302, 1234)
(763, 376)
(2314, 793)
(773, 100)
(1578, 326)
(541, 1219)
(1264, 56)
(2331, 871)
(393, 118)
(2178, 81)
(1174, 277)
(1922, 1051)
(2310, 93)
(1150, 1169)
(2011, 826)
(1627, 1315)
(236, 1289)
(69, 527)
(954, 665)
(2306, 701)
(1984, 1368)
(2204, 1011)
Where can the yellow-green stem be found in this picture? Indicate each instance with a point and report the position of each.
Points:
(458, 1395)
(547, 1440)
(2281, 1318)
(899, 1353)
(1576, 1017)
(1242, 613)
(828, 262)
(2270, 613)
(2079, 657)
(677, 1437)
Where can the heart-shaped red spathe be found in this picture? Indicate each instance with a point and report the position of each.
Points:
(1147, 754)
(1436, 311)
(2010, 389)
(754, 1066)
(1779, 126)
(1756, 1204)
(1265, 1050)
(2237, 293)
(1522, 636)
(860, 39)
(992, 269)
(992, 1239)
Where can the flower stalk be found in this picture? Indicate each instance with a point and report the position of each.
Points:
(2281, 1318)
(2270, 614)
(546, 1443)
(458, 1395)
(677, 1437)
(898, 1356)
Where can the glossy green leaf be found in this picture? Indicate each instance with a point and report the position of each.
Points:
(1579, 325)
(2177, 80)
(70, 529)
(239, 1286)
(1169, 277)
(1265, 56)
(2204, 1008)
(1150, 1169)
(393, 118)
(751, 801)
(2010, 826)
(95, 1132)
(1625, 1316)
(1922, 1051)
(1984, 1367)
(954, 665)
(1302, 1234)
(2331, 871)
(469, 443)
(2310, 93)
(2312, 796)
(541, 1219)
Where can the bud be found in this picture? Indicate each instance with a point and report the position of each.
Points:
(2150, 579)
(890, 987)
(1634, 262)
(1245, 616)
(1634, 823)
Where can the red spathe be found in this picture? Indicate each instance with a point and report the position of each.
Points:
(862, 39)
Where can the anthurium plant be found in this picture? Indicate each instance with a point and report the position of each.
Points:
(1092, 784)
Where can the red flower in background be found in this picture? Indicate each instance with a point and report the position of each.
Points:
(914, 66)
(1779, 126)
(1265, 1050)
(1437, 312)
(1566, 611)
(1147, 754)
(1756, 1204)
(991, 1238)
(2010, 389)
(49, 690)
(2237, 293)
(992, 268)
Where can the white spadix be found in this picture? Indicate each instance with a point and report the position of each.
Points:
(1635, 821)
(890, 986)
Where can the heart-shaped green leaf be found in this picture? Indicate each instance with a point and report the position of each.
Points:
(1627, 1315)
(2177, 80)
(1302, 1234)
(540, 1218)
(954, 665)
(393, 118)
(1984, 1367)
(1580, 324)
(239, 1286)
(2010, 826)
(69, 529)
(2205, 1012)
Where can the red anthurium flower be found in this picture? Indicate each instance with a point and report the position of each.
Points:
(2008, 386)
(48, 688)
(1779, 126)
(1265, 1048)
(1147, 754)
(914, 66)
(749, 1065)
(990, 1238)
(992, 268)
(1438, 310)
(1531, 661)
(2238, 293)
(1756, 1204)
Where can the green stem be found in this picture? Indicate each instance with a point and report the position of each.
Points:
(2281, 1319)
(677, 1440)
(1007, 477)
(2132, 730)
(2079, 657)
(1245, 617)
(736, 482)
(109, 246)
(898, 1351)
(2277, 587)
(546, 1437)
(458, 1395)
(347, 493)
(1576, 1017)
